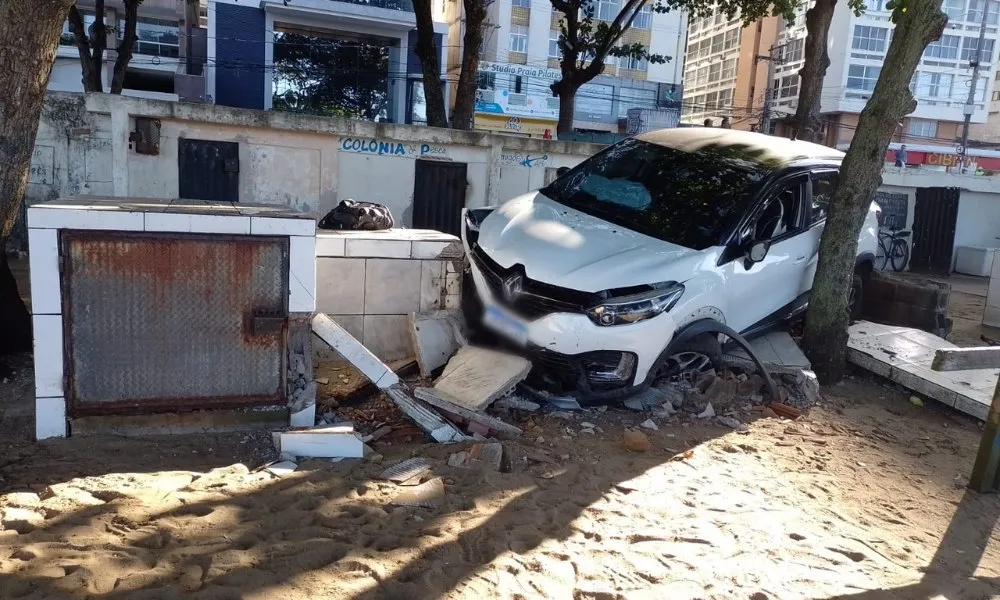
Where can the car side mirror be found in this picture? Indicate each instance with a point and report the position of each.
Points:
(562, 171)
(756, 253)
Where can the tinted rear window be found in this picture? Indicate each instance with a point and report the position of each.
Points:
(686, 198)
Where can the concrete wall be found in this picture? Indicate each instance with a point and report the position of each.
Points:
(303, 162)
(978, 220)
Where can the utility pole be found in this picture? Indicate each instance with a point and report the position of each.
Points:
(970, 104)
(765, 118)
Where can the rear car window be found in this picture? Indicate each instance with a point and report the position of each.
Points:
(691, 199)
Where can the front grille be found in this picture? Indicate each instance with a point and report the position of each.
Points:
(537, 299)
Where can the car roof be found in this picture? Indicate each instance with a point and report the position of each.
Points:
(766, 150)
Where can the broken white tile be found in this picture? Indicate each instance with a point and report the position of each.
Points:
(304, 418)
(302, 274)
(436, 249)
(352, 350)
(92, 218)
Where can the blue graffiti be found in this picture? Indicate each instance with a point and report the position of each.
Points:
(527, 162)
(373, 146)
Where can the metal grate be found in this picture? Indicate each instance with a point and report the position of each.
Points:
(168, 321)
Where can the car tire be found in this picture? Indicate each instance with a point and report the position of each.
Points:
(855, 300)
(685, 357)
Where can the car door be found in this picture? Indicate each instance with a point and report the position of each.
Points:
(821, 186)
(764, 290)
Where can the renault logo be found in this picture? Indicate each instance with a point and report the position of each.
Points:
(512, 287)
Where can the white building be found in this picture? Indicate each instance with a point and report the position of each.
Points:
(521, 60)
(857, 50)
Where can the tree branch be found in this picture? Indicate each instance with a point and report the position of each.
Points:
(125, 47)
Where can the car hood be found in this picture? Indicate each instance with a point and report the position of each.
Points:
(564, 247)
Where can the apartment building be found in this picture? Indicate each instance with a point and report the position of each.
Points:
(726, 70)
(940, 84)
(521, 60)
(350, 58)
(168, 59)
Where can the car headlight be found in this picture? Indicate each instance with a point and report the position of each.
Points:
(637, 307)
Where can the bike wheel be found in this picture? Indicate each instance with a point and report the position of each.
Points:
(899, 254)
(881, 256)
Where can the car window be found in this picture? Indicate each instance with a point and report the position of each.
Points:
(779, 215)
(687, 198)
(822, 191)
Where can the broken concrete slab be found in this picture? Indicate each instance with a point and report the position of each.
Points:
(436, 338)
(475, 377)
(905, 356)
(429, 494)
(449, 405)
(775, 349)
(328, 441)
(516, 403)
(305, 417)
(648, 399)
(408, 469)
(281, 468)
(478, 455)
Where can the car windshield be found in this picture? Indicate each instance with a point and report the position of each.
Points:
(686, 198)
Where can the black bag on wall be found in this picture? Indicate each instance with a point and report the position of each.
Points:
(357, 216)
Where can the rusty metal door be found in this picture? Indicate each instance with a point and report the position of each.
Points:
(208, 170)
(439, 195)
(935, 216)
(170, 321)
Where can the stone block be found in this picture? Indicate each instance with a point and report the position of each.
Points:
(340, 286)
(388, 337)
(392, 287)
(432, 285)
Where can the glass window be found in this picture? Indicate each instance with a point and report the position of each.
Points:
(595, 98)
(633, 63)
(729, 69)
(732, 38)
(67, 39)
(521, 3)
(714, 72)
(975, 14)
(726, 98)
(486, 81)
(607, 10)
(644, 20)
(554, 44)
(955, 9)
(788, 87)
(823, 185)
(946, 47)
(921, 128)
(969, 50)
(871, 39)
(157, 37)
(934, 85)
(634, 98)
(711, 101)
(687, 198)
(793, 51)
(779, 215)
(717, 42)
(702, 77)
(519, 38)
(860, 77)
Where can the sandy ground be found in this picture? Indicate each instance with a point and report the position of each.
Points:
(863, 499)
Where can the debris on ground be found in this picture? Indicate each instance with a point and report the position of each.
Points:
(636, 441)
(730, 422)
(429, 494)
(408, 469)
(517, 403)
(479, 455)
(281, 468)
(475, 421)
(708, 413)
(436, 337)
(326, 441)
(649, 424)
(476, 377)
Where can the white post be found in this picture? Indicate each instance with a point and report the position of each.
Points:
(119, 148)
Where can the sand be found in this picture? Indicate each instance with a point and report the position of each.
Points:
(861, 499)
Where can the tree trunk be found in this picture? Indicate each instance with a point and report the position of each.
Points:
(567, 105)
(430, 64)
(807, 124)
(825, 338)
(465, 99)
(29, 37)
(91, 60)
(125, 47)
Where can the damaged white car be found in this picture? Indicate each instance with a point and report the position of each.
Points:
(601, 276)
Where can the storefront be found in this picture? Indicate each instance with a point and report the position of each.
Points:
(516, 99)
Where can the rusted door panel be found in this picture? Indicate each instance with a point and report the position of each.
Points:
(439, 189)
(170, 321)
(208, 170)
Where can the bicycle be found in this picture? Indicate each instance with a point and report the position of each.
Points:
(893, 249)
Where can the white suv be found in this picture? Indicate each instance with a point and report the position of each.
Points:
(596, 276)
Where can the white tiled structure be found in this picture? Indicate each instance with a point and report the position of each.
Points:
(92, 213)
(369, 281)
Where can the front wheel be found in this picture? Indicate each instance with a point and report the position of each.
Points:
(690, 359)
(899, 255)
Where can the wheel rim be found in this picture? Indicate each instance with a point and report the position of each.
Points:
(685, 365)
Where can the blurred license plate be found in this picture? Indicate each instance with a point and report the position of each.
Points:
(499, 321)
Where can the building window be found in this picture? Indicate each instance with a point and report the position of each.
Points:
(729, 69)
(554, 44)
(521, 3)
(860, 77)
(976, 12)
(921, 128)
(634, 98)
(67, 39)
(595, 99)
(876, 6)
(632, 63)
(726, 98)
(714, 72)
(519, 38)
(934, 85)
(732, 37)
(702, 77)
(955, 9)
(644, 20)
(793, 50)
(486, 81)
(788, 87)
(871, 39)
(607, 10)
(717, 43)
(156, 37)
(946, 47)
(712, 101)
(969, 50)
